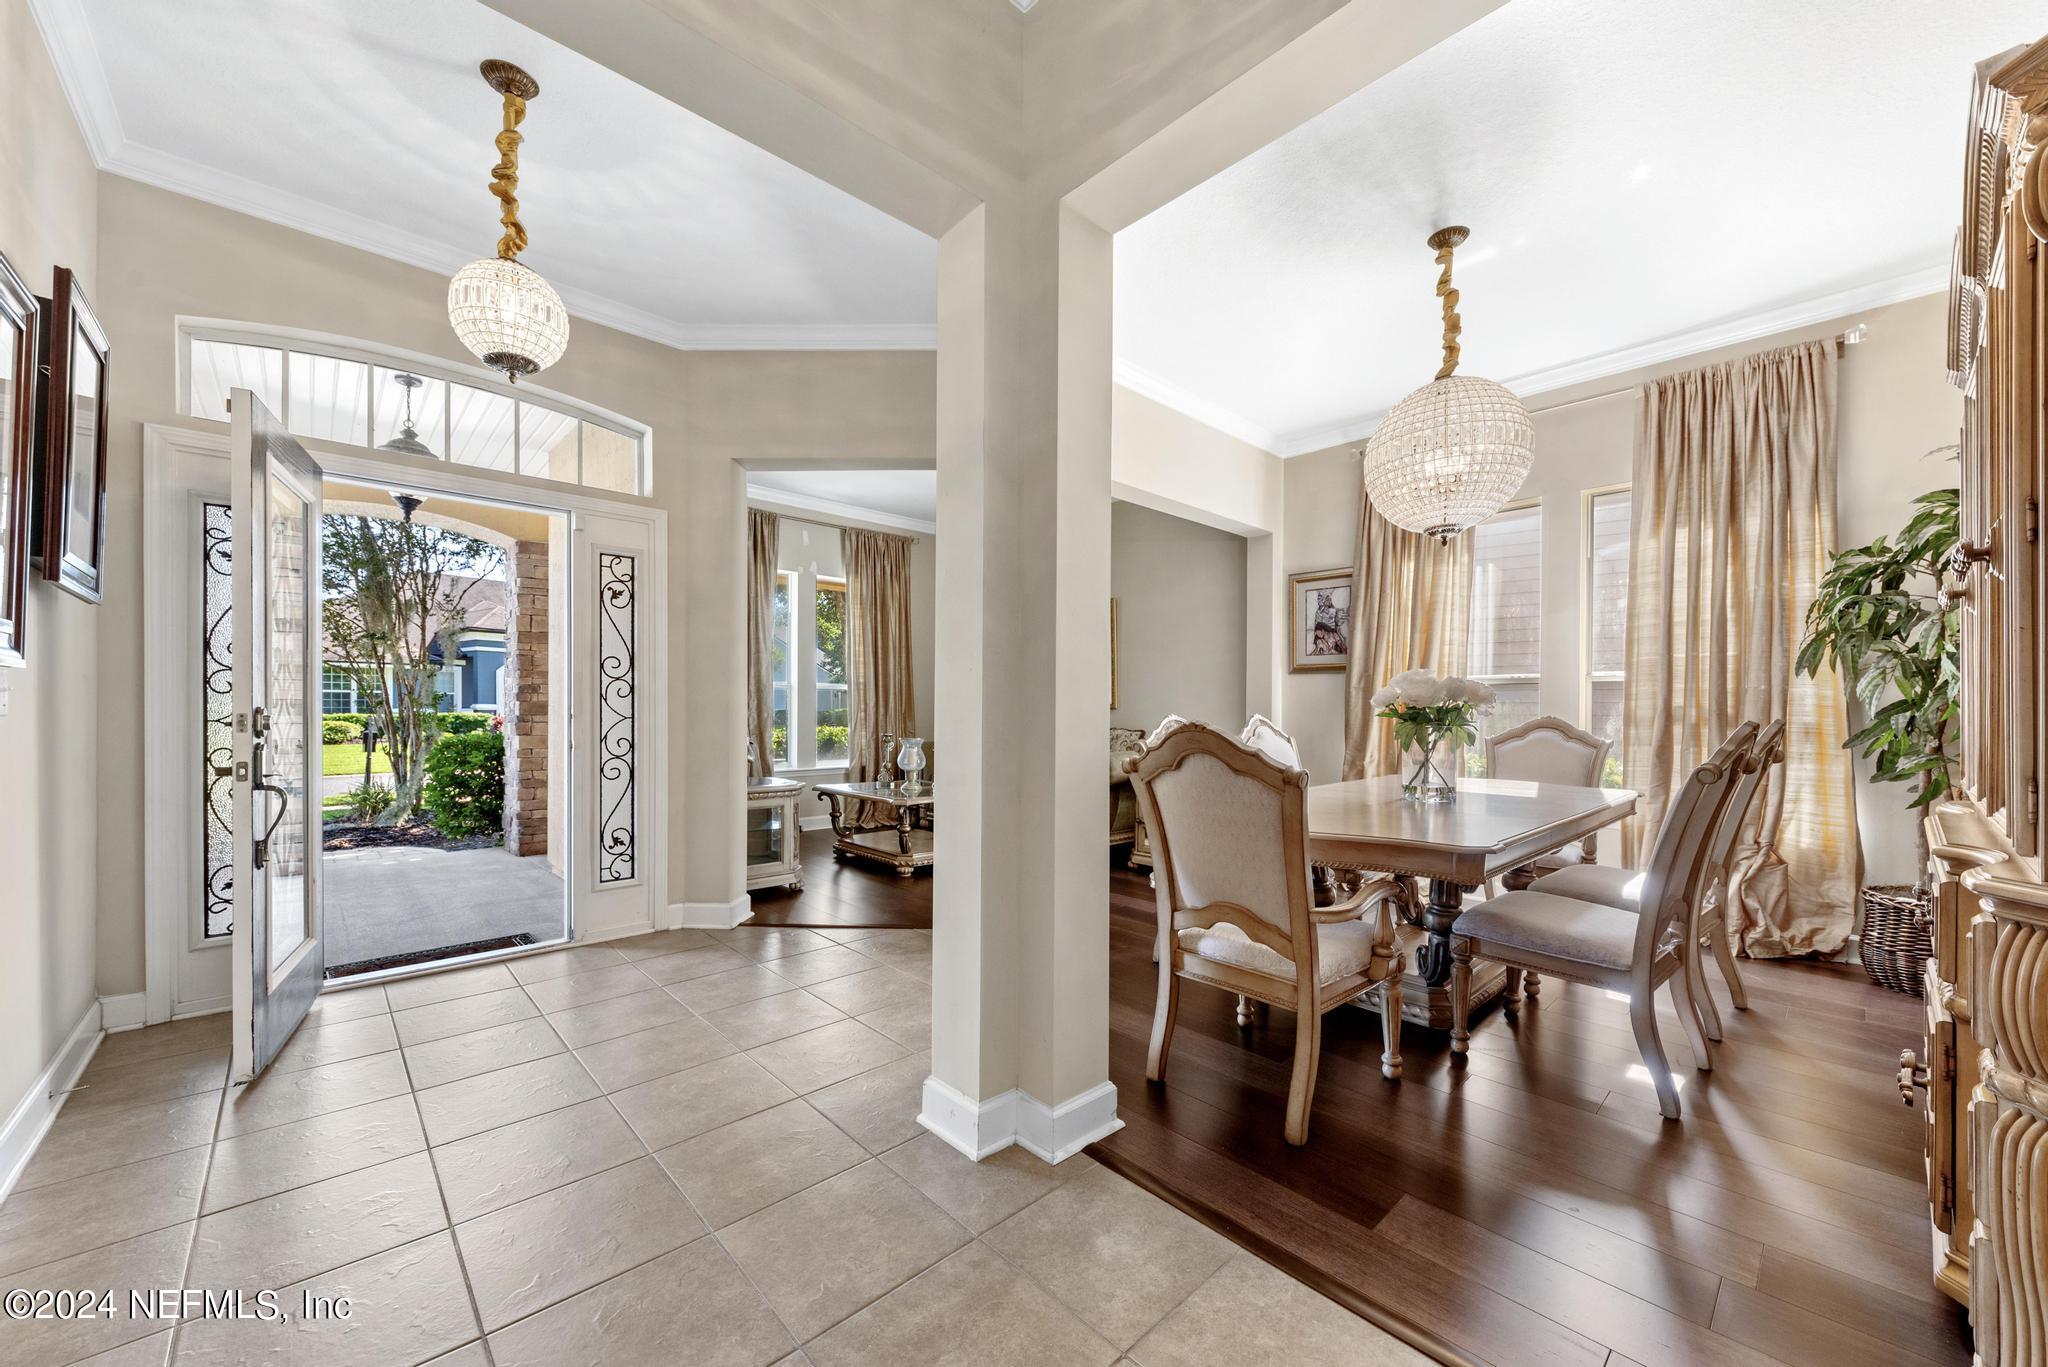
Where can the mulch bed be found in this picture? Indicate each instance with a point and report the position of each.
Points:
(418, 833)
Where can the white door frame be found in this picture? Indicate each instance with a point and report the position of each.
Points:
(183, 466)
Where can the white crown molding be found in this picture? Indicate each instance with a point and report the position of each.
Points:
(835, 510)
(1140, 381)
(68, 36)
(1822, 308)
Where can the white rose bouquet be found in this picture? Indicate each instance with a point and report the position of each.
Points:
(1426, 711)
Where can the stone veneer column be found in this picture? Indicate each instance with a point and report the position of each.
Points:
(524, 701)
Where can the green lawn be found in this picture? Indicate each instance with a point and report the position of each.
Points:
(347, 758)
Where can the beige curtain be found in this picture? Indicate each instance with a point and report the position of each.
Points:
(1410, 600)
(1734, 520)
(877, 646)
(764, 539)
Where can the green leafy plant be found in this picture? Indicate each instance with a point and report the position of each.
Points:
(1879, 616)
(335, 731)
(465, 785)
(367, 801)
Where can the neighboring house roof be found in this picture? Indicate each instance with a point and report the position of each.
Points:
(486, 607)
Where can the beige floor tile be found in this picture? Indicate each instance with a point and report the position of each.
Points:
(682, 1105)
(790, 1012)
(859, 993)
(972, 1310)
(821, 965)
(832, 1248)
(907, 951)
(470, 1356)
(832, 1053)
(456, 1110)
(980, 1195)
(406, 993)
(481, 1051)
(909, 1024)
(312, 1045)
(82, 1142)
(879, 1108)
(280, 1098)
(1118, 1257)
(136, 1084)
(463, 1015)
(152, 1260)
(656, 943)
(1250, 1313)
(763, 943)
(549, 1247)
(727, 988)
(561, 963)
(615, 1016)
(348, 1004)
(648, 1054)
(693, 963)
(309, 1230)
(507, 1165)
(251, 1166)
(577, 989)
(847, 935)
(81, 1213)
(690, 1306)
(149, 1352)
(195, 1034)
(404, 1305)
(740, 1168)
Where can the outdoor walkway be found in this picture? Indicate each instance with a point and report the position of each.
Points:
(401, 900)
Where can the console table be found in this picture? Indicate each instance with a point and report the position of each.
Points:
(904, 844)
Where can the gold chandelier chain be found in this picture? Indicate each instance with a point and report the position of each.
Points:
(505, 179)
(1452, 322)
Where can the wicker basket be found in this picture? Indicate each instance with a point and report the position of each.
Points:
(1898, 937)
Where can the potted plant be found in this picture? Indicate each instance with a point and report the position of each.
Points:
(1431, 717)
(1880, 617)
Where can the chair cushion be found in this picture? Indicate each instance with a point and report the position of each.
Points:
(1561, 927)
(1342, 949)
(1602, 883)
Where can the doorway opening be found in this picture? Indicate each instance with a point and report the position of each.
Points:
(444, 765)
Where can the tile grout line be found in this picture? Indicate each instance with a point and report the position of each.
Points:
(448, 1216)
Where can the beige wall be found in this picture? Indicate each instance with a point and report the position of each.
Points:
(1895, 406)
(167, 255)
(49, 737)
(1180, 595)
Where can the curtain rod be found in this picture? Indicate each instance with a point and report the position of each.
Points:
(1843, 341)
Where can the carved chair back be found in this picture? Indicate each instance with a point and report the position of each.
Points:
(1670, 878)
(1547, 750)
(1768, 749)
(1264, 736)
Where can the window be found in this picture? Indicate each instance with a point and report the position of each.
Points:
(337, 691)
(333, 390)
(779, 688)
(830, 628)
(1504, 644)
(1607, 531)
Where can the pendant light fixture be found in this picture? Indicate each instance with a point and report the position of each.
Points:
(504, 312)
(407, 442)
(1452, 453)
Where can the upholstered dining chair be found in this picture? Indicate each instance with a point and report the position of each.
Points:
(1634, 952)
(1230, 840)
(1622, 888)
(1548, 750)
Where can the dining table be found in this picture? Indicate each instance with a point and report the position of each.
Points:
(1490, 828)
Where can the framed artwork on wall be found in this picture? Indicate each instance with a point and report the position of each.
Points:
(1319, 620)
(73, 472)
(20, 325)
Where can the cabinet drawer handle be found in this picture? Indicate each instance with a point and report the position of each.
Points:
(1912, 1074)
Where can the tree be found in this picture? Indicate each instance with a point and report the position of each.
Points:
(391, 589)
(1881, 618)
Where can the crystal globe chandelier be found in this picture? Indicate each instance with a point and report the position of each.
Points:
(1452, 453)
(505, 313)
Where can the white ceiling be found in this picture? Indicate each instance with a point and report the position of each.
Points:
(366, 121)
(905, 499)
(1641, 180)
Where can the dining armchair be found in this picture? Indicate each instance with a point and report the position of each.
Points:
(1630, 952)
(1230, 840)
(1622, 887)
(1548, 750)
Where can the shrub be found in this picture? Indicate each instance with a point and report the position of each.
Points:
(832, 740)
(465, 787)
(462, 723)
(367, 801)
(335, 731)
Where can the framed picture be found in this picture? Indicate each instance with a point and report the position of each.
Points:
(73, 475)
(20, 332)
(1319, 620)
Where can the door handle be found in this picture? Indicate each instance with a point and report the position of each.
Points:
(264, 785)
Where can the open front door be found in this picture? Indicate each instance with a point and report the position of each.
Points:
(277, 954)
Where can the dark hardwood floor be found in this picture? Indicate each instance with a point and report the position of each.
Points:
(1530, 1206)
(845, 895)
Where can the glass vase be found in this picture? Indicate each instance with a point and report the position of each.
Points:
(910, 763)
(1429, 769)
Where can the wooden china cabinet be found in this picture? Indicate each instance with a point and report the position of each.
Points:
(1985, 1065)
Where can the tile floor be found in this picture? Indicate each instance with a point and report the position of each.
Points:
(687, 1147)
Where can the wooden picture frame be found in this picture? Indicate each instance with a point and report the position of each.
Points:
(20, 340)
(73, 474)
(1310, 648)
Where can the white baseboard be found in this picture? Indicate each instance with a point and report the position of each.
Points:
(814, 823)
(30, 1118)
(710, 915)
(1054, 1133)
(129, 1012)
